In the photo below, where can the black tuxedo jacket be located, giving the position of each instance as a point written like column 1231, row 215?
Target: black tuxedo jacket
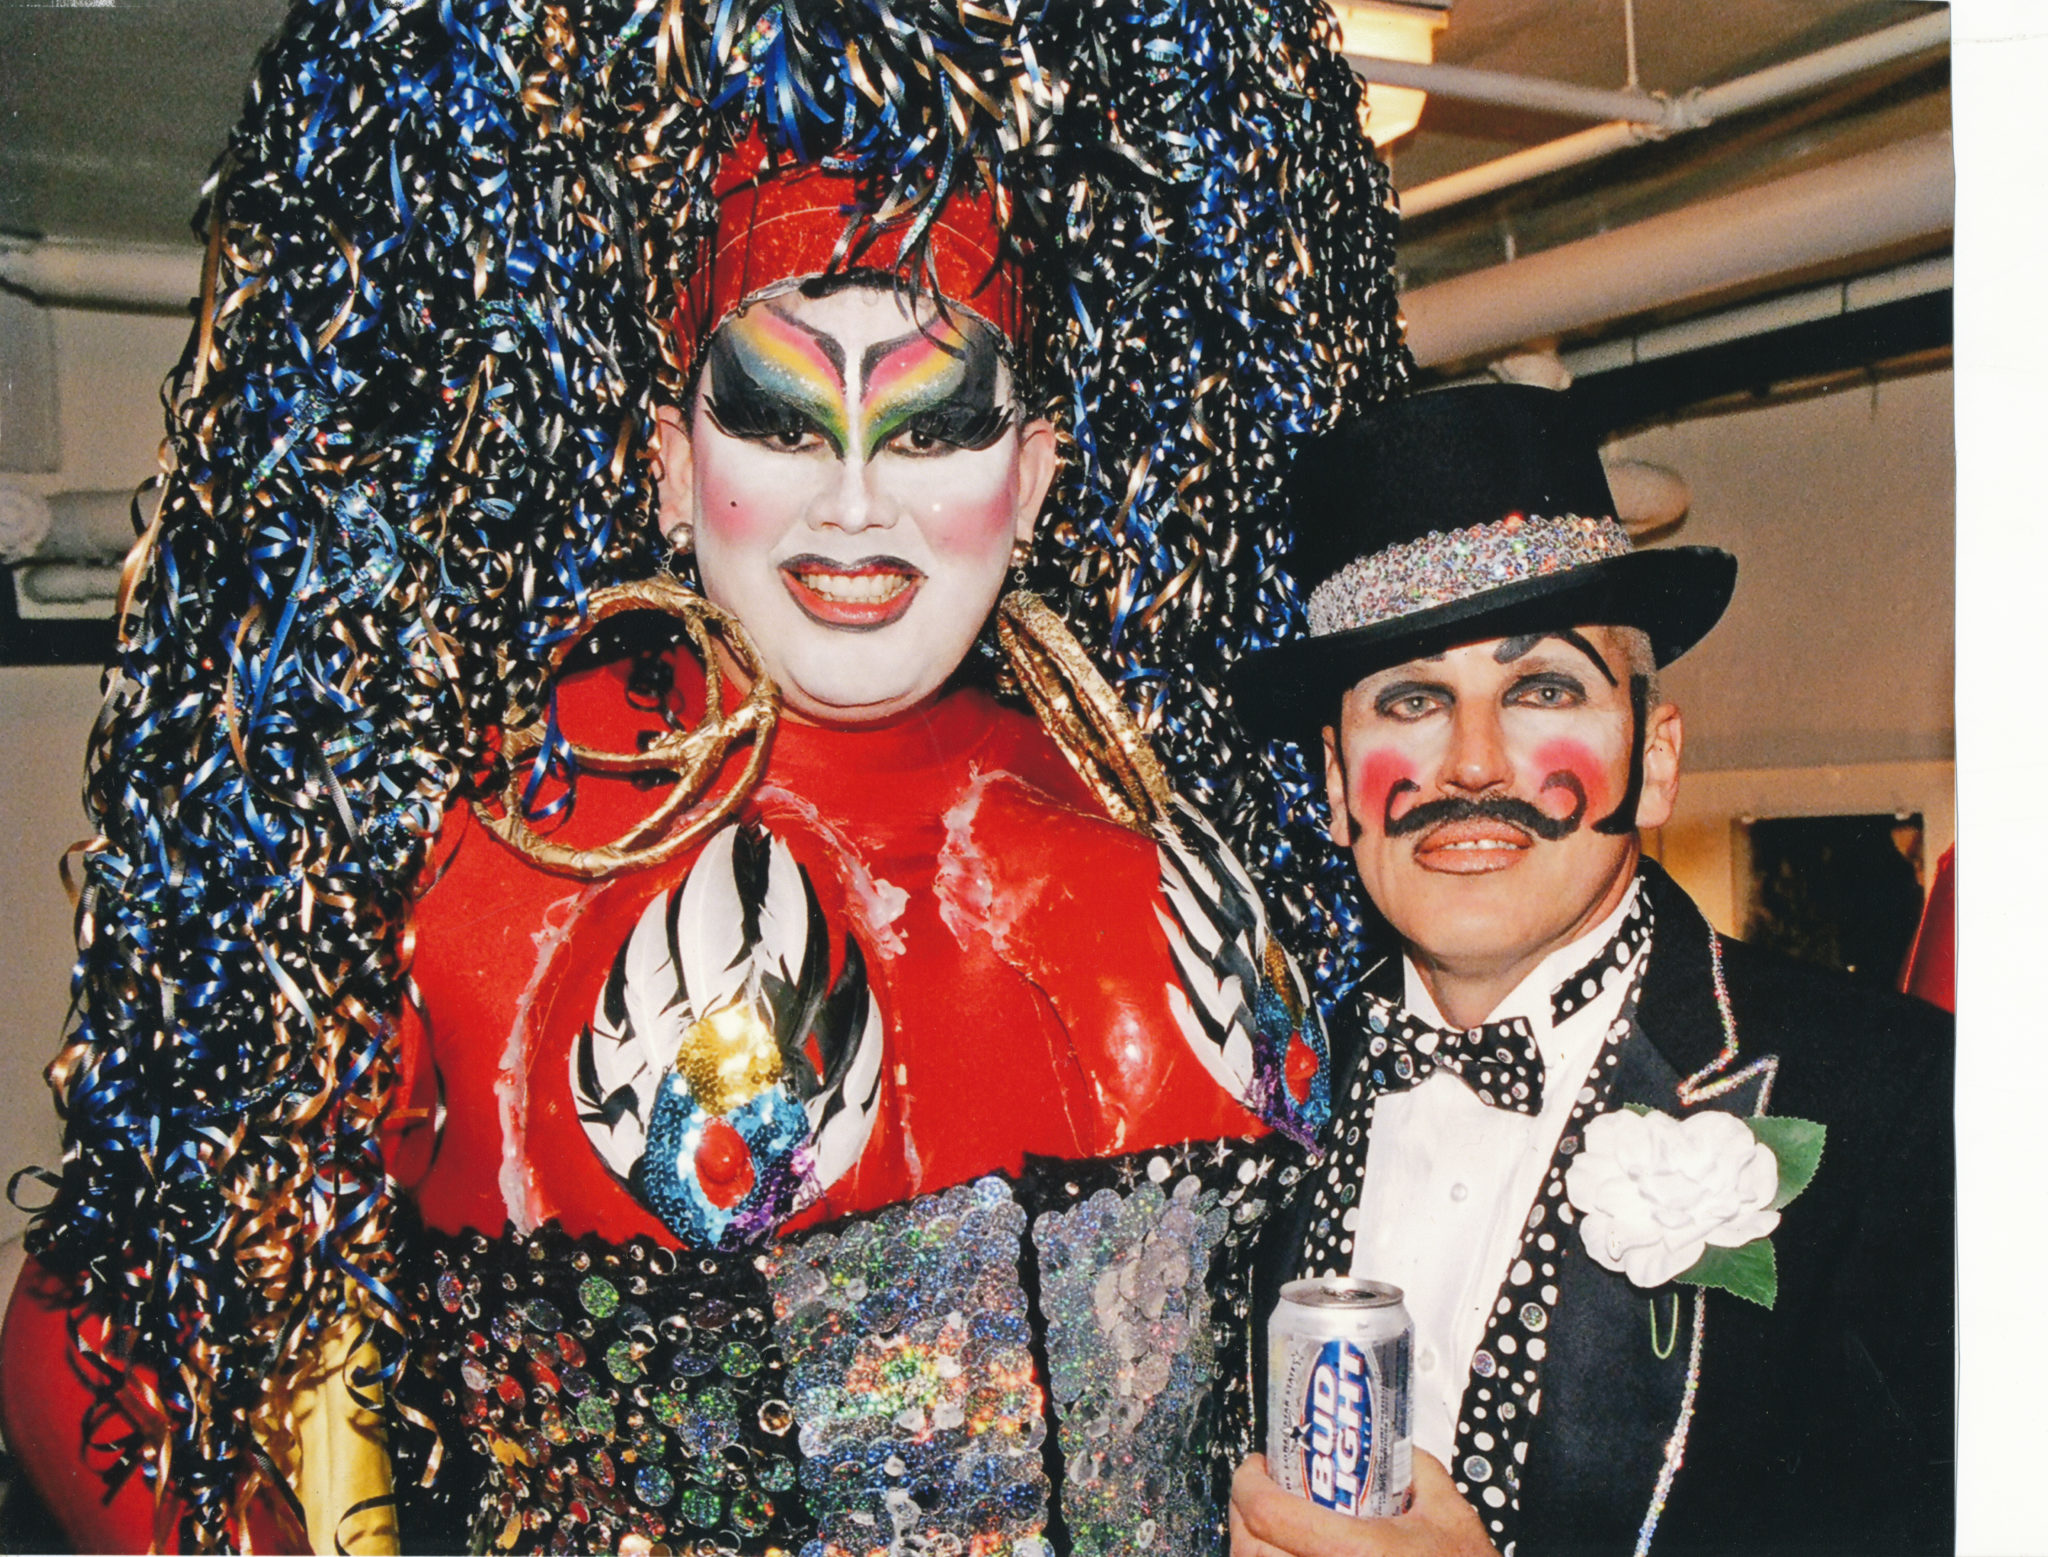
column 1825, row 1424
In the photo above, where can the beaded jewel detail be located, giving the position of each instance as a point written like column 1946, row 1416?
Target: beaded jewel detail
column 1445, row 566
column 593, row 1397
column 1059, row 1364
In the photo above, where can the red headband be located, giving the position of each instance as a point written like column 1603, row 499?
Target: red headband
column 786, row 223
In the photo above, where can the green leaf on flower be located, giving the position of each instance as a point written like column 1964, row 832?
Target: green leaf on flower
column 1639, row 1108
column 1749, row 1272
column 1796, row 1143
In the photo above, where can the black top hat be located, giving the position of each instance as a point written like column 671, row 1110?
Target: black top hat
column 1453, row 517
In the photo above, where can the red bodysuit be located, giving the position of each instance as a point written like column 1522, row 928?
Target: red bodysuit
column 1009, row 931
column 1012, row 945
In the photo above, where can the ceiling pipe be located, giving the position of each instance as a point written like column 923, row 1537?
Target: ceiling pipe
column 1523, row 167
column 1781, row 311
column 1692, row 110
column 1488, row 86
column 137, row 277
column 1834, row 213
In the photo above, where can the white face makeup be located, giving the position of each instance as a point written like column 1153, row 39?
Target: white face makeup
column 855, row 485
column 1485, row 795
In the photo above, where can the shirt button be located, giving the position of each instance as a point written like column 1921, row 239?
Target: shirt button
column 1427, row 1360
column 1459, row 1192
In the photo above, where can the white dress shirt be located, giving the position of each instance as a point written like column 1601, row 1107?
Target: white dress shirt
column 1449, row 1180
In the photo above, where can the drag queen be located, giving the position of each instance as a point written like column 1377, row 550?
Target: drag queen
column 639, row 987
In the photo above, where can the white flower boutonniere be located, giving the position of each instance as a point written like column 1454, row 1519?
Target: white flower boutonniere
column 1693, row 1200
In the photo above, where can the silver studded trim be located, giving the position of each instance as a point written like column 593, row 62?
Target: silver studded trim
column 1445, row 566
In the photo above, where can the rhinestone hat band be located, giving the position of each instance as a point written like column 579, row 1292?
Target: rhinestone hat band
column 1443, row 567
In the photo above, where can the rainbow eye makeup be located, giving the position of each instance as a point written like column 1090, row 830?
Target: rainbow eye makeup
column 771, row 379
column 936, row 390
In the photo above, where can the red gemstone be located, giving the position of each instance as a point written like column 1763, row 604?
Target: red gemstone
column 1302, row 1066
column 725, row 1168
column 542, row 1374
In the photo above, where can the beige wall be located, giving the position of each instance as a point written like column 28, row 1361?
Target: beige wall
column 1828, row 688
column 45, row 714
column 1839, row 646
column 109, row 368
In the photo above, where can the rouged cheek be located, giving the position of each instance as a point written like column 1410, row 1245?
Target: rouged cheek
column 964, row 504
column 1386, row 786
column 1594, row 773
column 747, row 497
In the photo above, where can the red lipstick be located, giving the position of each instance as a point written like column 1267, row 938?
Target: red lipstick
column 857, row 596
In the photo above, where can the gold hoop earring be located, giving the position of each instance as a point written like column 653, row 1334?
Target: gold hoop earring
column 1082, row 713
column 695, row 756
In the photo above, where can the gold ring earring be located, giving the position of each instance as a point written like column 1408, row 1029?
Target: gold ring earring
column 693, row 759
column 1081, row 711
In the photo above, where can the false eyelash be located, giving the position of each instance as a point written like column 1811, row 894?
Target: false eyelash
column 962, row 426
column 758, row 419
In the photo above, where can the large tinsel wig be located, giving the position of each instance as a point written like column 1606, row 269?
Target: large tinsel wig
column 412, row 433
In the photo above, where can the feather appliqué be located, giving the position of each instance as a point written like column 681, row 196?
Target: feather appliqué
column 725, row 1077
column 1241, row 1004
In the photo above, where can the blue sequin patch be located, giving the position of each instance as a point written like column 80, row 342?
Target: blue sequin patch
column 1132, row 1352
column 907, row 1343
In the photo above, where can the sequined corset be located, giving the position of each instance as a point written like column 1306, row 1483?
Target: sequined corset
column 1055, row 1364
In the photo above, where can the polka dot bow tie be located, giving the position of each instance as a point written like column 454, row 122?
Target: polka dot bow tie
column 1497, row 1060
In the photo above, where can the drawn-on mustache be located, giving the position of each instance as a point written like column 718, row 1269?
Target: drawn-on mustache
column 1493, row 808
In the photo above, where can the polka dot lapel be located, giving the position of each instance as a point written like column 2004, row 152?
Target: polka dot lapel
column 1503, row 1394
column 1609, row 963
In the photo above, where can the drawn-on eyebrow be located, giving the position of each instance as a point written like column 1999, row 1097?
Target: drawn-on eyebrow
column 1512, row 649
column 880, row 352
column 767, row 367
column 945, row 380
column 827, row 346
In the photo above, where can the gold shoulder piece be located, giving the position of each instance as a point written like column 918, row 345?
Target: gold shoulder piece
column 695, row 756
column 1082, row 713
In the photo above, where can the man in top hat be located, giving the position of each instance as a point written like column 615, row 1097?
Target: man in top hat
column 1545, row 1125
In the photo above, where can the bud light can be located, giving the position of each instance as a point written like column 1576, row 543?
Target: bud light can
column 1337, row 1394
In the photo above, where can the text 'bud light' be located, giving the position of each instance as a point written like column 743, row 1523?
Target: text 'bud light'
column 1337, row 1395
column 1337, row 1456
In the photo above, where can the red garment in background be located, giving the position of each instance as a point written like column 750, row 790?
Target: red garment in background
column 1931, row 964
